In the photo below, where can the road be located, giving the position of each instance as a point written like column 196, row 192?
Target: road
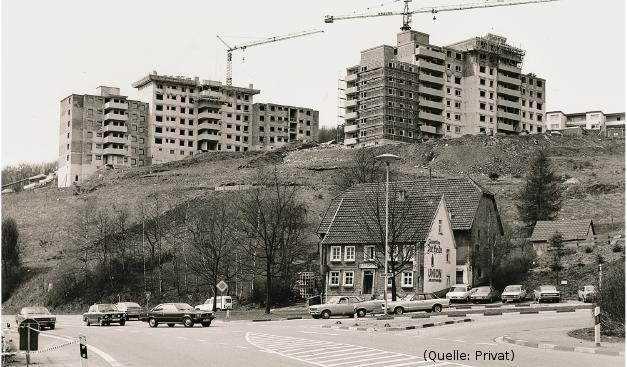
column 305, row 343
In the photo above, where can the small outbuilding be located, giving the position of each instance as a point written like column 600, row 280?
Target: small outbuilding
column 574, row 233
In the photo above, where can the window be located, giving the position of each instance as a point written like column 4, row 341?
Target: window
column 448, row 256
column 349, row 253
column 458, row 80
column 334, row 279
column 336, row 253
column 408, row 279
column 348, row 278
column 440, row 226
column 368, row 253
column 482, row 81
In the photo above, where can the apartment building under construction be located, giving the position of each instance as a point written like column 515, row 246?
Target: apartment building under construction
column 416, row 90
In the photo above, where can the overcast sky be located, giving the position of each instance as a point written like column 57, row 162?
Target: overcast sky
column 51, row 49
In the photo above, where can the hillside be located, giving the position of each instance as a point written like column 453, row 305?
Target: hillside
column 595, row 169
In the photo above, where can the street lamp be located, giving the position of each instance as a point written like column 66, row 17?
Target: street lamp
column 387, row 158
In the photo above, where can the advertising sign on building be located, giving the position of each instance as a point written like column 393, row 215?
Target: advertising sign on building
column 433, row 251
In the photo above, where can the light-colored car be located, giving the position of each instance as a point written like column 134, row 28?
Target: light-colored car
column 484, row 294
column 418, row 302
column 39, row 314
column 546, row 293
column 587, row 293
column 343, row 306
column 222, row 303
column 514, row 293
column 460, row 293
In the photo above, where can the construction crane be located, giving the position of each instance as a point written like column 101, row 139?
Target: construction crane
column 406, row 13
column 230, row 49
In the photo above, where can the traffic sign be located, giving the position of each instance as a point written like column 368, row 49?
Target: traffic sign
column 222, row 286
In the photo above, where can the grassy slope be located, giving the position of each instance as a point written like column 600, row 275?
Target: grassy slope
column 44, row 216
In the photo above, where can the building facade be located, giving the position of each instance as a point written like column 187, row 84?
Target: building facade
column 417, row 90
column 275, row 125
column 105, row 130
column 609, row 124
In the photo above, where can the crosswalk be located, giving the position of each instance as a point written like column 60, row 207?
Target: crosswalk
column 331, row 354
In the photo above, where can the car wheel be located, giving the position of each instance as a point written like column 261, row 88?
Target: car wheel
column 87, row 322
column 504, row 301
column 101, row 322
column 170, row 324
column 52, row 327
column 361, row 313
column 205, row 324
column 399, row 310
column 122, row 322
column 153, row 322
column 187, row 322
column 437, row 308
column 326, row 314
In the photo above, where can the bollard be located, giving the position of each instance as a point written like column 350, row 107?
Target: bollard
column 355, row 315
column 83, row 350
column 228, row 314
column 597, row 326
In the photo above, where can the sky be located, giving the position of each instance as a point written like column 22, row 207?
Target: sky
column 51, row 49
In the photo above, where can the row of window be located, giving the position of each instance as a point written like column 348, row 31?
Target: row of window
column 348, row 279
column 281, row 108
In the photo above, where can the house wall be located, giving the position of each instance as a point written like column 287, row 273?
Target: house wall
column 438, row 270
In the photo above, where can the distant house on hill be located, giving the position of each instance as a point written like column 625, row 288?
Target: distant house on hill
column 574, row 233
column 472, row 210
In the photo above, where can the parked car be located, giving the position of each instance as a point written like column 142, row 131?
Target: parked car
column 177, row 313
column 484, row 294
column 39, row 314
column 132, row 309
column 104, row 314
column 222, row 303
column 343, row 306
column 514, row 293
column 587, row 293
column 418, row 302
column 460, row 293
column 546, row 293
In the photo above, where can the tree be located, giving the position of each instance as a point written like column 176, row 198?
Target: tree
column 494, row 249
column 364, row 168
column 541, row 196
column 211, row 229
column 10, row 256
column 556, row 246
column 272, row 221
column 327, row 134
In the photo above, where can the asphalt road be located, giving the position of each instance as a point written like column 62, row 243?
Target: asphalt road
column 305, row 343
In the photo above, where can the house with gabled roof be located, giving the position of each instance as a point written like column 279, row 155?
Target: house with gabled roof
column 473, row 214
column 574, row 233
column 352, row 246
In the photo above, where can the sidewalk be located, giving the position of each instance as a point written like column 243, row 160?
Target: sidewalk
column 558, row 339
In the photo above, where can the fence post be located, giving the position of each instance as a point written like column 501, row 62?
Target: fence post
column 28, row 346
column 597, row 326
column 83, row 350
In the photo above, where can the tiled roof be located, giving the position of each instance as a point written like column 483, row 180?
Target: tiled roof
column 360, row 218
column 570, row 229
column 462, row 197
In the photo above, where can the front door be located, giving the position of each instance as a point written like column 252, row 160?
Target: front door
column 367, row 282
column 459, row 276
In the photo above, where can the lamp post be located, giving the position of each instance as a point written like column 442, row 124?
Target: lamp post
column 387, row 158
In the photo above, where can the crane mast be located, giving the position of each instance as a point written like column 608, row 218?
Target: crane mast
column 406, row 13
column 230, row 49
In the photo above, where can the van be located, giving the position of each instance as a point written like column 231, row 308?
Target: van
column 222, row 303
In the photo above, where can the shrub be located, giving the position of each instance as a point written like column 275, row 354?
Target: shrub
column 617, row 248
column 493, row 176
column 588, row 250
column 612, row 299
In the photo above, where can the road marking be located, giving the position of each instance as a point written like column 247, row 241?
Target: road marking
column 241, row 347
column 486, row 343
column 316, row 332
column 335, row 354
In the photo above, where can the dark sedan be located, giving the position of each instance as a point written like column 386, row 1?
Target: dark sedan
column 104, row 314
column 39, row 314
column 132, row 309
column 177, row 313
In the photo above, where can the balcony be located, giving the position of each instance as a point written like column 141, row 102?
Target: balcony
column 115, row 151
column 350, row 128
column 508, row 80
column 508, row 115
column 209, row 116
column 424, row 64
column 115, row 117
column 431, row 91
column 113, row 139
column 428, row 129
column 116, row 105
column 509, row 68
column 351, row 77
column 505, row 127
column 423, row 115
column 208, row 136
column 351, row 141
column 115, row 128
column 508, row 91
column 351, row 90
column 351, row 102
column 431, row 79
column 430, row 103
column 350, row 115
column 508, row 103
column 430, row 53
column 208, row 125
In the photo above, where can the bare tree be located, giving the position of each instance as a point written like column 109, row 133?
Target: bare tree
column 494, row 249
column 364, row 168
column 272, row 221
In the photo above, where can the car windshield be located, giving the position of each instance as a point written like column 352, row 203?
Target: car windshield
column 483, row 290
column 107, row 308
column 183, row 306
column 458, row 289
column 589, row 288
column 130, row 304
column 547, row 288
column 35, row 311
column 512, row 288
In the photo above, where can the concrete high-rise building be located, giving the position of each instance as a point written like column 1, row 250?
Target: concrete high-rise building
column 100, row 131
column 417, row 90
column 275, row 125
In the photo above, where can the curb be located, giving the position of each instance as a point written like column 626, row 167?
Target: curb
column 531, row 344
column 495, row 311
column 399, row 328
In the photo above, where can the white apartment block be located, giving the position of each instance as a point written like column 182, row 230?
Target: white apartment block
column 610, row 124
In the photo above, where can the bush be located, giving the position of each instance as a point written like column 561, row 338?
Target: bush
column 617, row 248
column 612, row 299
column 588, row 250
column 493, row 176
column 514, row 270
column 281, row 295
